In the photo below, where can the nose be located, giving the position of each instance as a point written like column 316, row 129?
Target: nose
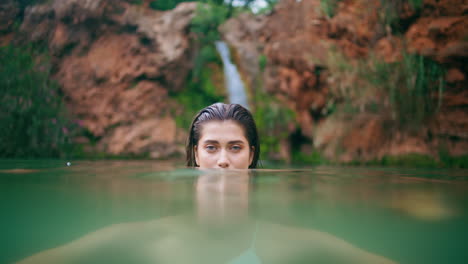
column 223, row 161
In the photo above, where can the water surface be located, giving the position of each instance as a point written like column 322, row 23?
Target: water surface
column 159, row 212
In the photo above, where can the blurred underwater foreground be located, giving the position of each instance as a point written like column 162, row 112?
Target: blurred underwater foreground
column 160, row 212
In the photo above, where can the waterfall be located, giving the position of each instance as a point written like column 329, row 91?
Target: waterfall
column 233, row 82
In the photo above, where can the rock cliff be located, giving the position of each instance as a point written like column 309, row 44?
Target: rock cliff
column 298, row 38
column 116, row 63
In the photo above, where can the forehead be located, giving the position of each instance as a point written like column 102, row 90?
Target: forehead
column 221, row 131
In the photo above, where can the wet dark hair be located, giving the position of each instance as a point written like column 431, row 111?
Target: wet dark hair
column 222, row 112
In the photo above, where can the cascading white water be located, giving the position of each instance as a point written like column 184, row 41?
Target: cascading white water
column 234, row 85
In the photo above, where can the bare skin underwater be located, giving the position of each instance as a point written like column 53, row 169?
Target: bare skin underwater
column 219, row 230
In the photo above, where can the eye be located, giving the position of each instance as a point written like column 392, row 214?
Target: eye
column 210, row 148
column 236, row 148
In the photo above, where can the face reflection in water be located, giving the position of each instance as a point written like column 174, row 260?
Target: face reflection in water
column 223, row 145
column 223, row 197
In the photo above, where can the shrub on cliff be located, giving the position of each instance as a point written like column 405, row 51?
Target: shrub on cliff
column 273, row 120
column 164, row 5
column 329, row 7
column 394, row 14
column 409, row 90
column 202, row 88
column 414, row 86
column 32, row 115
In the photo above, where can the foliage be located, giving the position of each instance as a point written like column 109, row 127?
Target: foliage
column 449, row 161
column 411, row 85
column 391, row 11
column 272, row 119
column 24, row 3
column 207, row 19
column 410, row 89
column 262, row 62
column 204, row 26
column 409, row 160
column 33, row 121
column 270, row 116
column 201, row 89
column 416, row 160
column 329, row 7
column 136, row 2
column 199, row 93
column 316, row 158
column 164, row 5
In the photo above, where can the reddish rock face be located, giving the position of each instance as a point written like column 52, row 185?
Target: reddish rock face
column 364, row 139
column 116, row 64
column 297, row 38
column 441, row 38
column 440, row 33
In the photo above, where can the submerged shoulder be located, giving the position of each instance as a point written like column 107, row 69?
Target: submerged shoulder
column 278, row 243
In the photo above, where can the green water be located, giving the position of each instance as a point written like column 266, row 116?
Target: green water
column 158, row 212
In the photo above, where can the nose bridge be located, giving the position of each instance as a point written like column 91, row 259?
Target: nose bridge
column 223, row 159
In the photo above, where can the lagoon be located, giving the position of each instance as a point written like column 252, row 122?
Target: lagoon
column 161, row 212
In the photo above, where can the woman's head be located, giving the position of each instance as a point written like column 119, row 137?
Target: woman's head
column 223, row 136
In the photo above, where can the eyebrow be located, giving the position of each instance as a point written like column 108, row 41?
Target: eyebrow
column 209, row 141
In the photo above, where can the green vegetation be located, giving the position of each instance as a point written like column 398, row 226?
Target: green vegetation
column 410, row 90
column 21, row 5
column 202, row 89
column 164, row 5
column 33, row 121
column 272, row 119
column 329, row 7
column 407, row 93
column 136, row 2
column 244, row 5
column 205, row 27
column 316, row 158
column 414, row 87
column 206, row 22
column 409, row 160
column 416, row 160
column 416, row 4
column 262, row 62
column 449, row 161
column 391, row 11
column 199, row 93
column 24, row 3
